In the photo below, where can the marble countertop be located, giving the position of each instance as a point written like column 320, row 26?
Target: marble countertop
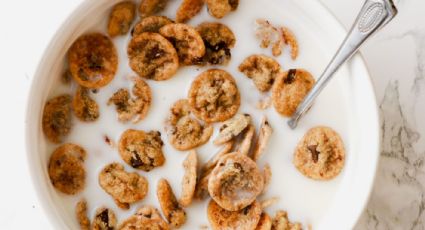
column 395, row 57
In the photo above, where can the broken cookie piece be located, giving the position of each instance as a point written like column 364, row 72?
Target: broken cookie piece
column 85, row 108
column 121, row 17
column 190, row 165
column 263, row 71
column 175, row 214
column 232, row 128
column 56, row 121
column 188, row 9
column 104, row 219
column 220, row 8
column 141, row 150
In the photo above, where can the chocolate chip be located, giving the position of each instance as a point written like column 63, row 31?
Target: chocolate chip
column 291, row 76
column 314, row 153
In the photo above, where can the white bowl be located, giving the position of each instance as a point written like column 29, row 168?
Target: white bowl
column 362, row 135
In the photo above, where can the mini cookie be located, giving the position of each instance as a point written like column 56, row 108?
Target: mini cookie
column 141, row 150
column 151, row 24
column 57, row 118
column 262, row 70
column 190, row 165
column 81, row 213
column 281, row 221
column 85, row 108
column 290, row 89
column 175, row 215
column 235, row 182
column 214, row 96
column 290, row 40
column 220, row 8
column 263, row 139
column 186, row 40
column 246, row 218
column 129, row 108
column 265, row 222
column 188, row 9
column 123, row 186
column 66, row 168
column 232, row 128
column 320, row 154
column 93, row 60
column 151, row 7
column 152, row 56
column 244, row 146
column 218, row 40
column 104, row 219
column 121, row 17
column 186, row 132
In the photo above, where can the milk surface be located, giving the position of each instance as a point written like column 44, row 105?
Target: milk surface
column 305, row 200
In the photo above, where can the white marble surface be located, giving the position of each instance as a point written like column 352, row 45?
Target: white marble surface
column 396, row 59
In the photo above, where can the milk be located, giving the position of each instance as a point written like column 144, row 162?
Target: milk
column 305, row 200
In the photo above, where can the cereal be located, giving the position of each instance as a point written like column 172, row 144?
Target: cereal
column 123, row 186
column 185, row 131
column 263, row 139
column 263, row 70
column 281, row 221
column 187, row 41
column 265, row 222
column 289, row 90
column 151, row 24
column 246, row 218
column 188, row 9
column 320, row 154
column 152, row 56
column 235, row 182
column 190, row 166
column 267, row 176
column 132, row 108
column 57, row 118
column 290, row 40
column 93, row 60
column 81, row 213
column 141, row 150
column 104, row 219
column 151, row 7
column 175, row 215
column 121, row 17
column 220, row 8
column 232, row 128
column 244, row 145
column 214, row 96
column 218, row 40
column 85, row 108
column 66, row 168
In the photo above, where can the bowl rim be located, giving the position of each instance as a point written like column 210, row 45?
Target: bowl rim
column 30, row 141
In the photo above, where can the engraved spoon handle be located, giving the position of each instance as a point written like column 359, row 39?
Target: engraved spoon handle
column 372, row 17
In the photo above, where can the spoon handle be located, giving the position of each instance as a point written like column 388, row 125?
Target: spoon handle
column 373, row 16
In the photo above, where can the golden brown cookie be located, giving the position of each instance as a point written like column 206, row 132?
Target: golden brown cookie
column 171, row 208
column 218, row 40
column 263, row 139
column 66, row 168
column 93, row 60
column 265, row 222
column 214, row 96
column 85, row 108
column 235, row 182
column 132, row 108
column 289, row 90
column 232, row 128
column 188, row 9
column 151, row 24
column 220, row 8
column 320, row 154
column 185, row 131
column 57, row 118
column 141, row 150
column 121, row 17
column 190, row 165
column 104, row 219
column 246, row 218
column 281, row 221
column 152, row 56
column 263, row 71
column 123, row 186
column 81, row 213
column 151, row 7
column 187, row 41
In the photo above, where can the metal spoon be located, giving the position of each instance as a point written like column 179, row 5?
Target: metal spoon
column 374, row 15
